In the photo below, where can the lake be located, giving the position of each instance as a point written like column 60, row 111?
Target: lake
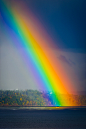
column 61, row 118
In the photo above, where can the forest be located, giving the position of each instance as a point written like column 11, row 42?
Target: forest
column 36, row 98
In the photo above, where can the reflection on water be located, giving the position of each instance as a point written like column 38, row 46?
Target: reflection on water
column 46, row 108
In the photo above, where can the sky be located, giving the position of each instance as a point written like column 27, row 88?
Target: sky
column 65, row 23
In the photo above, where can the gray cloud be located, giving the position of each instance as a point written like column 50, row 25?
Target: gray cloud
column 65, row 60
column 72, row 63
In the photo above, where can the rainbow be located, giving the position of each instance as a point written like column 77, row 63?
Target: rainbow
column 27, row 32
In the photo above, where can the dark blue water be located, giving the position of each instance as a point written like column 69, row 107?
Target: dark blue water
column 55, row 119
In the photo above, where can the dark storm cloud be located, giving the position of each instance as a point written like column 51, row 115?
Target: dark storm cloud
column 64, row 20
column 65, row 60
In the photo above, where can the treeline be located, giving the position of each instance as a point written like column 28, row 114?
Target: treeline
column 36, row 98
column 23, row 98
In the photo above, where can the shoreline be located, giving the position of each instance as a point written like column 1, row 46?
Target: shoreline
column 43, row 108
